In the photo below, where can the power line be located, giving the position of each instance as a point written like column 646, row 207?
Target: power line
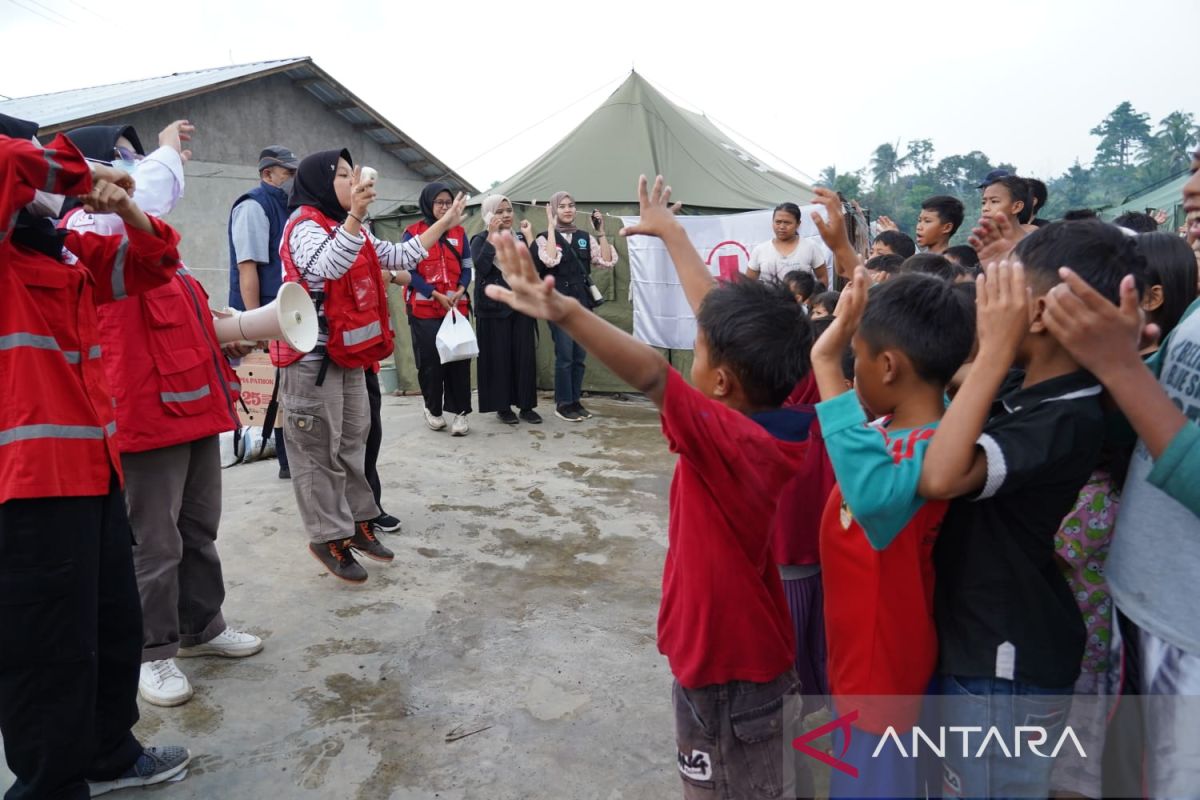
column 85, row 8
column 55, row 11
column 40, row 14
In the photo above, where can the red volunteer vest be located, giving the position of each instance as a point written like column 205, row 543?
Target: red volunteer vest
column 354, row 306
column 170, row 381
column 442, row 268
column 57, row 431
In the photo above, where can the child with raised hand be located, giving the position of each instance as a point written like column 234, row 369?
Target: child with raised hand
column 1013, row 453
column 723, row 623
column 877, row 532
column 1155, row 557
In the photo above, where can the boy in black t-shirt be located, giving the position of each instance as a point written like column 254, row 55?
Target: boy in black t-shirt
column 1016, row 452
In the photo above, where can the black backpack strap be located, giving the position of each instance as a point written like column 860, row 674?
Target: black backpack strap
column 268, row 426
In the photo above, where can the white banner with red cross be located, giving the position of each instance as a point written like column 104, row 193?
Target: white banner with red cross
column 661, row 315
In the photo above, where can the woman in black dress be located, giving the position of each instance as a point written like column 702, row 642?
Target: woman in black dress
column 507, row 339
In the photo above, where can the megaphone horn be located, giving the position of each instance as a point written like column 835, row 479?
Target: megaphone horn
column 290, row 317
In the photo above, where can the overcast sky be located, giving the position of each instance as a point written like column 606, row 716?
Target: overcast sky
column 802, row 84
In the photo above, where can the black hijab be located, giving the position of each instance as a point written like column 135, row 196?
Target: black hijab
column 314, row 183
column 36, row 233
column 428, row 195
column 99, row 142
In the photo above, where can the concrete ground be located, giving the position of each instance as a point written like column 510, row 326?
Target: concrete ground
column 519, row 614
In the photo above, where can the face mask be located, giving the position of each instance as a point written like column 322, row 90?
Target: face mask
column 46, row 205
column 287, row 185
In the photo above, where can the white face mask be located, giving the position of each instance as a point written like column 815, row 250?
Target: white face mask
column 46, row 205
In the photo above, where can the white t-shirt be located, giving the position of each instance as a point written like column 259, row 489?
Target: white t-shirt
column 773, row 265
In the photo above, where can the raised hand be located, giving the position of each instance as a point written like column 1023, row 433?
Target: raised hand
column 994, row 238
column 1002, row 311
column 106, row 198
column 833, row 229
column 528, row 293
column 886, row 224
column 655, row 209
column 493, row 225
column 527, row 230
column 175, row 134
column 457, row 211
column 1096, row 333
column 827, row 351
column 362, row 194
column 103, row 172
column 597, row 221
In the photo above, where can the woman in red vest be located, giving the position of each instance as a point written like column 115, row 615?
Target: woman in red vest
column 328, row 249
column 439, row 284
column 174, row 393
column 70, row 617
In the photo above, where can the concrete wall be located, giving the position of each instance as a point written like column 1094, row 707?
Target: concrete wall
column 233, row 125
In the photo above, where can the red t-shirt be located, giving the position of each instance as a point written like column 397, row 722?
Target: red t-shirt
column 723, row 615
column 879, row 627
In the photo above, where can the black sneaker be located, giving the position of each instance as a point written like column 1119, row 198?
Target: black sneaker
column 581, row 411
column 365, row 542
column 567, row 413
column 336, row 557
column 385, row 523
column 507, row 416
column 154, row 765
column 531, row 416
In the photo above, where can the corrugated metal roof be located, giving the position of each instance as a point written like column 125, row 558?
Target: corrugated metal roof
column 76, row 107
column 51, row 110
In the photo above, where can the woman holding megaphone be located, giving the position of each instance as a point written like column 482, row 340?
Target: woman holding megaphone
column 328, row 249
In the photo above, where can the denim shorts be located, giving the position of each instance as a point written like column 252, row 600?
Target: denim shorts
column 730, row 740
column 987, row 703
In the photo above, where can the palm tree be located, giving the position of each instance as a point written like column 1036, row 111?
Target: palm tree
column 1176, row 136
column 828, row 177
column 885, row 164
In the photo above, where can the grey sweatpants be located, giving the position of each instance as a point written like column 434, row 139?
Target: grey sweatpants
column 326, row 428
column 174, row 499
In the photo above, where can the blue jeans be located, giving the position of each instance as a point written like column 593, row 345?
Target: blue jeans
column 568, row 367
column 988, row 703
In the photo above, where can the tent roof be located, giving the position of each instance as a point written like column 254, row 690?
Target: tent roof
column 1165, row 195
column 637, row 130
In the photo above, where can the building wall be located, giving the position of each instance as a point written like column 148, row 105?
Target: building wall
column 233, row 125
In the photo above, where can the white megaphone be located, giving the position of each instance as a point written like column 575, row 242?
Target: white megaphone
column 291, row 316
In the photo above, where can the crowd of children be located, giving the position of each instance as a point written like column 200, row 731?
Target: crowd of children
column 839, row 526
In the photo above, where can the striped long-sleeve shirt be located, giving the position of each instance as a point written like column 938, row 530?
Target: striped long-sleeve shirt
column 320, row 257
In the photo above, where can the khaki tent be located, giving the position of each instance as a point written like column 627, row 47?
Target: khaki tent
column 636, row 131
column 1166, row 195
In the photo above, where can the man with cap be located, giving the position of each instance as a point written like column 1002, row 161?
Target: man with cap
column 255, row 226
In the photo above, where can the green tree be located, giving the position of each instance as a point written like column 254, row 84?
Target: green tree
column 919, row 155
column 1124, row 134
column 1171, row 148
column 885, row 165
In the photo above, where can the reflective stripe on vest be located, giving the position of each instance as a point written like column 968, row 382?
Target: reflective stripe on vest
column 39, row 341
column 24, row 433
column 52, row 175
column 363, row 334
column 186, row 397
column 118, row 271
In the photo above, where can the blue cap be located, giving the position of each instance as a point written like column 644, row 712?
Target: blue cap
column 994, row 176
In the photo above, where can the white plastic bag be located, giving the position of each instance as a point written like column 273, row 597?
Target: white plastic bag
column 455, row 339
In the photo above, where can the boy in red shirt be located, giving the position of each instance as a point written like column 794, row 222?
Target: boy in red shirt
column 877, row 533
column 724, row 623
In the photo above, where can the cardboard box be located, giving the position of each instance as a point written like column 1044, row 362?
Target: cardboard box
column 256, row 373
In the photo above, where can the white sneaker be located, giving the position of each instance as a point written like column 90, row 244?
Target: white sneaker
column 227, row 644
column 162, row 684
column 459, row 427
column 435, row 422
